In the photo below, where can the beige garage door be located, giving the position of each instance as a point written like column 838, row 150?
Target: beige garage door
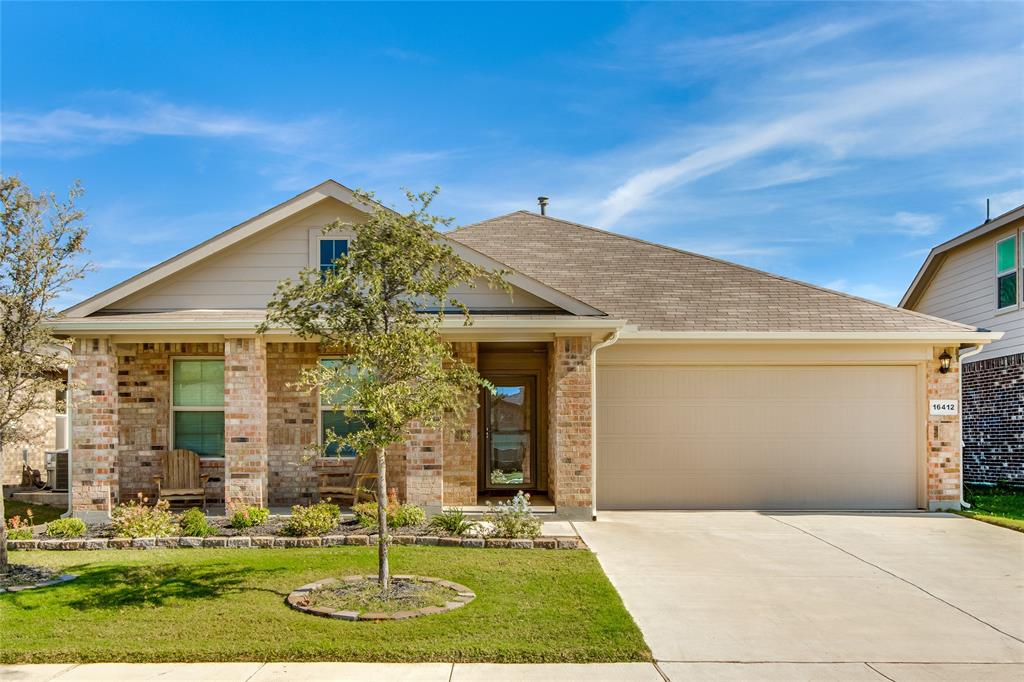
column 749, row 437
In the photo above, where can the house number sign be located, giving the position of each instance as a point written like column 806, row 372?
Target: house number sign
column 943, row 408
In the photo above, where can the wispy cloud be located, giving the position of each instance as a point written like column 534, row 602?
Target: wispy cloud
column 916, row 224
column 875, row 292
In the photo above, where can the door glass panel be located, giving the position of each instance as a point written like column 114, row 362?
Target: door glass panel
column 510, row 439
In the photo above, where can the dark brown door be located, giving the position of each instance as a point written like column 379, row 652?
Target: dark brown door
column 509, row 459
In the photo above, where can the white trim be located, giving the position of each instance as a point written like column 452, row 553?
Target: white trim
column 632, row 334
column 185, row 408
column 1015, row 271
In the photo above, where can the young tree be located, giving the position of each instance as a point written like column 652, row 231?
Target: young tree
column 381, row 306
column 39, row 258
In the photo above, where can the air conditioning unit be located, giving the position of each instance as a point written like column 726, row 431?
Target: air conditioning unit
column 58, row 476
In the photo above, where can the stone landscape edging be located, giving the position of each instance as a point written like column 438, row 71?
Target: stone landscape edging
column 245, row 541
column 463, row 595
column 59, row 580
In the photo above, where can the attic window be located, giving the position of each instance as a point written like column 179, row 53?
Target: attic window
column 1006, row 273
column 330, row 251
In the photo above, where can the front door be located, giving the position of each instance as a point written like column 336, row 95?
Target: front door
column 510, row 434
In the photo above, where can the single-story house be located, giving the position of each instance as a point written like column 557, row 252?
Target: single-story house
column 977, row 278
column 629, row 375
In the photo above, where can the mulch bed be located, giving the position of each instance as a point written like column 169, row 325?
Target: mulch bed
column 19, row 577
column 357, row 597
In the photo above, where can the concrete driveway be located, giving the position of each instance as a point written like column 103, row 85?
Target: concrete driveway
column 750, row 595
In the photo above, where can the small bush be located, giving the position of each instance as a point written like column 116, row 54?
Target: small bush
column 453, row 522
column 194, row 524
column 19, row 528
column 136, row 519
column 399, row 515
column 316, row 519
column 66, row 528
column 513, row 519
column 246, row 516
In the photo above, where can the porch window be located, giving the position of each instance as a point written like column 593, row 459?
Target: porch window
column 1006, row 273
column 197, row 406
column 330, row 251
column 333, row 417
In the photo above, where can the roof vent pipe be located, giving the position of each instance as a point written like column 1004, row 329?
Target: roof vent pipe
column 543, row 201
column 988, row 210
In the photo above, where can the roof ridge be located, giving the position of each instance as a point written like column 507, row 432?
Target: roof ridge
column 488, row 220
column 712, row 259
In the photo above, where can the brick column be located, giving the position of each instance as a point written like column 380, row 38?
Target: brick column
column 460, row 444
column 245, row 421
column 424, row 471
column 569, row 426
column 944, row 457
column 94, row 405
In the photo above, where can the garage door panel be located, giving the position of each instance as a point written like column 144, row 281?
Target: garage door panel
column 757, row 437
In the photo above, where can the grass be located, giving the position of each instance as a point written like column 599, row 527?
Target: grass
column 1000, row 505
column 228, row 605
column 41, row 513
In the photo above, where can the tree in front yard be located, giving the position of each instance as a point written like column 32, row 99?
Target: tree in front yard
column 40, row 251
column 381, row 306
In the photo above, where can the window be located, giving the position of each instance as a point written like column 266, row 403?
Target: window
column 1006, row 272
column 334, row 418
column 197, row 406
column 331, row 250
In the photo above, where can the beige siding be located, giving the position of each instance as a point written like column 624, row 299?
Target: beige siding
column 964, row 290
column 246, row 275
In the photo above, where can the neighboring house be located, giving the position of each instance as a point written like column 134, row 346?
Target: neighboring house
column 977, row 279
column 629, row 375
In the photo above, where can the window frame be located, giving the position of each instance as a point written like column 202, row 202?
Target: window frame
column 1015, row 271
column 321, row 408
column 189, row 408
column 316, row 235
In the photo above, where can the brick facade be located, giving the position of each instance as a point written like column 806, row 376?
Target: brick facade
column 245, row 421
column 570, row 417
column 943, row 439
column 993, row 395
column 94, row 427
column 460, row 445
column 42, row 424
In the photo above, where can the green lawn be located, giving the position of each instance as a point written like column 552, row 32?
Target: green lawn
column 41, row 513
column 1000, row 505
column 228, row 605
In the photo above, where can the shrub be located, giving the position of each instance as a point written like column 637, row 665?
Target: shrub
column 453, row 522
column 399, row 515
column 316, row 519
column 19, row 528
column 136, row 519
column 246, row 516
column 513, row 519
column 194, row 524
column 66, row 528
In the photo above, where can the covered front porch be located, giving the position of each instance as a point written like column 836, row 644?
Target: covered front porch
column 233, row 400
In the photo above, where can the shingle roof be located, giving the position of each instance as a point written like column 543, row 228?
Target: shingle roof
column 659, row 288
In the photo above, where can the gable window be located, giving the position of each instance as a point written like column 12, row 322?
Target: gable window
column 197, row 406
column 330, row 251
column 1006, row 273
column 333, row 417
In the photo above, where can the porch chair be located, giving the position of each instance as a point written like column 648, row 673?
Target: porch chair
column 181, row 480
column 358, row 482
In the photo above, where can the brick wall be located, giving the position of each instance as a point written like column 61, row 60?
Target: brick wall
column 245, row 421
column 460, row 445
column 569, row 428
column 94, row 427
column 993, row 394
column 42, row 424
column 943, row 439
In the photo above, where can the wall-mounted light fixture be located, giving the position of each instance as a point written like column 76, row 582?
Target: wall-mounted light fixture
column 944, row 361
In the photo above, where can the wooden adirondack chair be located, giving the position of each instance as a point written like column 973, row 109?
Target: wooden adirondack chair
column 181, row 480
column 358, row 483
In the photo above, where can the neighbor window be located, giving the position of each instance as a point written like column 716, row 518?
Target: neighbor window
column 333, row 417
column 1006, row 272
column 330, row 251
column 197, row 406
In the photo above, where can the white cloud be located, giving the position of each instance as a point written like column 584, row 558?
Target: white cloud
column 869, row 290
column 916, row 224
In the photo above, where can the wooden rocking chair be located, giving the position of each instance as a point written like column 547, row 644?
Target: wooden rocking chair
column 358, row 483
column 181, row 480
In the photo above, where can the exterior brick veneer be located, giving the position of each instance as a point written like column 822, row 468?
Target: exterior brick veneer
column 569, row 427
column 94, row 426
column 460, row 445
column 943, row 438
column 291, row 425
column 245, row 421
column 44, row 437
column 993, row 394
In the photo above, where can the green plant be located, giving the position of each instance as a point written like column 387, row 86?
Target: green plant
column 513, row 519
column 20, row 528
column 316, row 519
column 194, row 524
column 136, row 519
column 452, row 521
column 248, row 516
column 398, row 515
column 66, row 528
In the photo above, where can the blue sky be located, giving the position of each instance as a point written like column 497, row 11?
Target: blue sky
column 833, row 143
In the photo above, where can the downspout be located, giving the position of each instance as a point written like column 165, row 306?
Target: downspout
column 609, row 340
column 69, row 406
column 961, row 355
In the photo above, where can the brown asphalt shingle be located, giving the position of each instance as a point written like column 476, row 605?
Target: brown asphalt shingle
column 660, row 288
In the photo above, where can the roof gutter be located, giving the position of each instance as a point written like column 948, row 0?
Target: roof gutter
column 962, row 354
column 609, row 340
column 631, row 333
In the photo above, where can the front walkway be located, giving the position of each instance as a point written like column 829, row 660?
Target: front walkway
column 869, row 592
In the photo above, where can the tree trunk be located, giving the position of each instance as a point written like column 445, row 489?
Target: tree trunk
column 3, row 522
column 383, row 570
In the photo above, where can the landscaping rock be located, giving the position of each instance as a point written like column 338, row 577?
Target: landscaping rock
column 95, row 543
column 403, row 539
column 333, row 540
column 520, row 543
column 190, row 542
column 427, row 540
column 215, row 542
column 307, row 542
column 240, row 541
column 167, row 542
column 358, row 540
column 119, row 543
column 286, row 542
column 545, row 543
column 449, row 542
column 23, row 544
column 49, row 544
column 568, row 543
column 497, row 542
column 473, row 542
